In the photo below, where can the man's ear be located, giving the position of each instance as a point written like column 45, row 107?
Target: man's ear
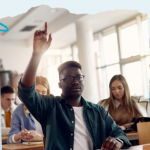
column 59, row 84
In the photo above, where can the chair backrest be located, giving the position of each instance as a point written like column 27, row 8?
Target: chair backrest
column 143, row 129
column 43, row 143
column 146, row 147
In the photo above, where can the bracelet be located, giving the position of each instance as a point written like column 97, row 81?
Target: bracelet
column 119, row 140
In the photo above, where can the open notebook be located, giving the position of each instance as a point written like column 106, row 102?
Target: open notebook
column 36, row 138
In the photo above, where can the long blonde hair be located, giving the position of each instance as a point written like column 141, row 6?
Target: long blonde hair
column 39, row 81
column 129, row 103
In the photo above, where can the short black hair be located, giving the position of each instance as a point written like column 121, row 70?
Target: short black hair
column 7, row 89
column 68, row 64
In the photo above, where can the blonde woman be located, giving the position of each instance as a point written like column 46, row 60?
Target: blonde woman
column 22, row 117
column 123, row 108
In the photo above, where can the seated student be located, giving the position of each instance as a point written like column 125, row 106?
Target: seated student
column 123, row 108
column 22, row 117
column 7, row 108
column 69, row 122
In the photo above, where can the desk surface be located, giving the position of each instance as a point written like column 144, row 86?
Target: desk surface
column 132, row 134
column 20, row 147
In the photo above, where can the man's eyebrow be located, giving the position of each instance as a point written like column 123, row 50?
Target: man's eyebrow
column 10, row 99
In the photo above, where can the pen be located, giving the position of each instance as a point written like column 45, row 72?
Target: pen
column 24, row 130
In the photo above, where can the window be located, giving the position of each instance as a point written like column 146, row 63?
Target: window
column 133, row 74
column 124, row 50
column 110, row 48
column 130, row 42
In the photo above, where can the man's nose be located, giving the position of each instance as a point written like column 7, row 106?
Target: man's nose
column 75, row 81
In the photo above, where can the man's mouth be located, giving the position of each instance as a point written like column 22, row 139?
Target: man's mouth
column 76, row 89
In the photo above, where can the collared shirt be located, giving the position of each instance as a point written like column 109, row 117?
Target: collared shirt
column 58, row 120
column 117, row 103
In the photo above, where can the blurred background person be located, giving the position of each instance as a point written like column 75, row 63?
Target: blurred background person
column 7, row 108
column 22, row 117
column 123, row 108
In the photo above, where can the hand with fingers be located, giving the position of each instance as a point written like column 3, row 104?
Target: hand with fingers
column 40, row 42
column 111, row 143
column 26, row 135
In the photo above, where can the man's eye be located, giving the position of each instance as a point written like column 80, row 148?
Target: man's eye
column 68, row 79
column 79, row 78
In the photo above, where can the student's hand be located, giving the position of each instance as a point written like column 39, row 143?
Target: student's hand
column 111, row 143
column 26, row 135
column 40, row 43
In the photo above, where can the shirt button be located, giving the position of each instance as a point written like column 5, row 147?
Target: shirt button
column 71, row 109
column 72, row 121
column 71, row 134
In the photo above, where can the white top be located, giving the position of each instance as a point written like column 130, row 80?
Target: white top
column 82, row 139
column 37, row 126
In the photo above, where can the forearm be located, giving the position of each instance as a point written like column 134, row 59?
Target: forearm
column 29, row 75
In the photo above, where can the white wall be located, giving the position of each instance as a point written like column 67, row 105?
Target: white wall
column 15, row 55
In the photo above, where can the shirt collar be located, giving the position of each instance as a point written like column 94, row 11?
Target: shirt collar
column 84, row 103
column 117, row 103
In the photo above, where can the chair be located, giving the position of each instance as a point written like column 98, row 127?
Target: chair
column 43, row 143
column 146, row 147
column 143, row 129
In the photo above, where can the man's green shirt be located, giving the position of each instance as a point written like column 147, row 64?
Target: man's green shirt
column 57, row 119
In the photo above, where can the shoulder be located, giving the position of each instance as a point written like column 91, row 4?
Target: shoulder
column 95, row 107
column 19, row 109
column 102, row 102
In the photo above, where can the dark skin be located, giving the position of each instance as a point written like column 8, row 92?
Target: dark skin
column 71, row 92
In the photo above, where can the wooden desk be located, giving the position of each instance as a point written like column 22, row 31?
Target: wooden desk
column 21, row 147
column 133, row 135
column 4, row 139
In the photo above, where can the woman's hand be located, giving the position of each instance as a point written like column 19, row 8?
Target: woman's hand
column 27, row 135
column 40, row 43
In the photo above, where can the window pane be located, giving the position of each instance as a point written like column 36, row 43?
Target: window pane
column 97, row 51
column 145, row 36
column 105, row 75
column 129, row 42
column 110, row 49
column 133, row 75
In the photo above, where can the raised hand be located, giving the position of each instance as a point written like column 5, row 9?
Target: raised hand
column 40, row 42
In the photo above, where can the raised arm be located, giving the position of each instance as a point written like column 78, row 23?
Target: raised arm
column 40, row 46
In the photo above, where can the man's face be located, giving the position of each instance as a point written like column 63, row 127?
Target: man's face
column 7, row 100
column 71, row 90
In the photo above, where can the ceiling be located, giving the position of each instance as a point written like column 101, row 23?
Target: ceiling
column 61, row 23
